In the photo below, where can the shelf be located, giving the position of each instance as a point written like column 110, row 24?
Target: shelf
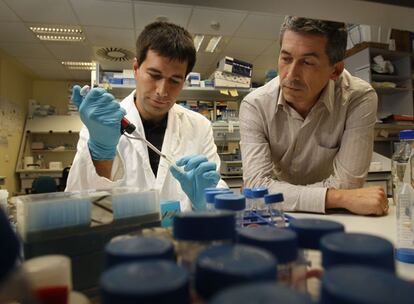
column 390, row 91
column 53, row 151
column 394, row 126
column 37, row 171
column 189, row 93
column 390, row 55
column 391, row 78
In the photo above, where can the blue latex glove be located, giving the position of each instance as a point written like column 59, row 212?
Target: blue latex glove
column 199, row 174
column 101, row 114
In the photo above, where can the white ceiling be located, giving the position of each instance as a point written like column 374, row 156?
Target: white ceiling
column 250, row 34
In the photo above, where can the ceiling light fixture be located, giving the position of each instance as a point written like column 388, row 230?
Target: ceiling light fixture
column 213, row 43
column 198, row 40
column 79, row 65
column 58, row 33
column 60, row 38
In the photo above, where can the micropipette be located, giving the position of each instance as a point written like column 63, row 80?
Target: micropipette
column 128, row 127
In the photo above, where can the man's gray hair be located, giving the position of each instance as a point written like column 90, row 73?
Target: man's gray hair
column 335, row 32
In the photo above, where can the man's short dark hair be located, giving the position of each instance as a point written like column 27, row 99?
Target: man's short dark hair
column 167, row 40
column 335, row 32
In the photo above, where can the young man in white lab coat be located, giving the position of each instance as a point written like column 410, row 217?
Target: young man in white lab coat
column 105, row 159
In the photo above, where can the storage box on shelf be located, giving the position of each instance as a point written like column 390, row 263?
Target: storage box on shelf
column 396, row 100
column 48, row 145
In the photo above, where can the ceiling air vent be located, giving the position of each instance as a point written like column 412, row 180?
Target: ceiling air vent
column 115, row 54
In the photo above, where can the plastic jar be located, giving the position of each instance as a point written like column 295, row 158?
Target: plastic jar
column 247, row 192
column 258, row 199
column 357, row 248
column 232, row 202
column 153, row 281
column 282, row 243
column 194, row 231
column 210, row 195
column 274, row 204
column 220, row 267
column 359, row 284
column 260, row 293
column 138, row 248
column 309, row 233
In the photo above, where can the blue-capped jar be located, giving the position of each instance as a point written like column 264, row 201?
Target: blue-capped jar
column 138, row 248
column 232, row 202
column 360, row 284
column 211, row 194
column 309, row 232
column 274, row 204
column 260, row 293
column 258, row 198
column 152, row 281
column 247, row 192
column 283, row 244
column 220, row 267
column 194, row 231
column 357, row 248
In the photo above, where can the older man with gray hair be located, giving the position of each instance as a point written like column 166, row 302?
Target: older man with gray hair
column 309, row 132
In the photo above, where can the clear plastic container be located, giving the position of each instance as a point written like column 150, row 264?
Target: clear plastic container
column 247, row 192
column 274, row 203
column 309, row 233
column 399, row 161
column 210, row 194
column 232, row 202
column 152, row 281
column 221, row 267
column 195, row 231
column 258, row 199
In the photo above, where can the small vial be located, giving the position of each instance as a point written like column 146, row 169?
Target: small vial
column 220, row 267
column 357, row 248
column 151, row 281
column 247, row 192
column 258, row 199
column 210, row 194
column 282, row 243
column 310, row 232
column 260, row 293
column 274, row 203
column 194, row 231
column 232, row 202
column 138, row 248
column 360, row 284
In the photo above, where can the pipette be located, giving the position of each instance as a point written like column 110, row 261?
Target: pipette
column 128, row 127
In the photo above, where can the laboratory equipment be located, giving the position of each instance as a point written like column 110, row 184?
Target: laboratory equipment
column 153, row 281
column 258, row 199
column 194, row 231
column 309, row 233
column 342, row 248
column 247, row 192
column 136, row 249
column 359, row 284
column 235, row 66
column 220, row 267
column 231, row 167
column 232, row 202
column 274, row 203
column 210, row 194
column 260, row 293
column 283, row 244
column 129, row 128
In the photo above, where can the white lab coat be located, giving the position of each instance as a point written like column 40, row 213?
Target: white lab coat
column 187, row 133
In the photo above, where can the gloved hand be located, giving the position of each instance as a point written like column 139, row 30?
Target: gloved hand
column 101, row 114
column 199, row 174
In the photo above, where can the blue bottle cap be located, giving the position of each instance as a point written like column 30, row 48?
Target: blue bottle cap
column 220, row 267
column 282, row 243
column 260, row 293
column 405, row 255
column 273, row 198
column 235, row 202
column 204, row 225
column 10, row 247
column 358, row 284
column 247, row 192
column 406, row 134
column 310, row 231
column 137, row 249
column 356, row 248
column 209, row 195
column 153, row 281
column 259, row 192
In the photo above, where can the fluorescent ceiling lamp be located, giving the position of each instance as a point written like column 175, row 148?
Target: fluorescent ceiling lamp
column 198, row 40
column 212, row 44
column 58, row 33
column 79, row 65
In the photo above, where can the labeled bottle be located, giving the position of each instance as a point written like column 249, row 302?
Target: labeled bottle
column 274, row 203
column 232, row 202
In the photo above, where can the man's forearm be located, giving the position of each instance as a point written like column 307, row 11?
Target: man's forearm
column 103, row 167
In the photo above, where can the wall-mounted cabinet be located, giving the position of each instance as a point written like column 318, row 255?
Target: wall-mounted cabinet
column 47, row 147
